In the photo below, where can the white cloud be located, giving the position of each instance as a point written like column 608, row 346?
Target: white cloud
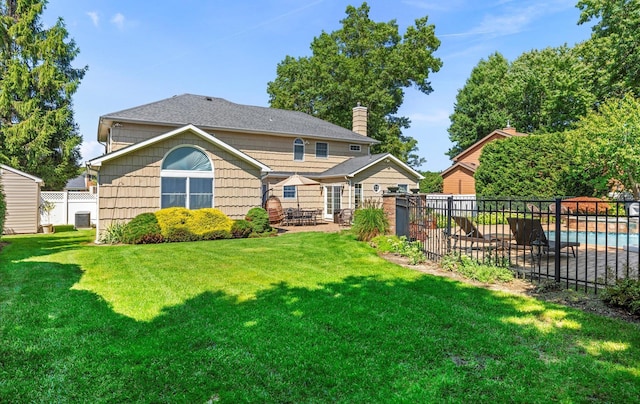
column 94, row 17
column 438, row 116
column 118, row 20
column 91, row 149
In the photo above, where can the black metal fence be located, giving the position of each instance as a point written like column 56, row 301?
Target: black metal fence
column 581, row 243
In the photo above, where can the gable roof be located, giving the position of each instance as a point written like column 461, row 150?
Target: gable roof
column 461, row 164
column 355, row 165
column 97, row 162
column 21, row 173
column 505, row 133
column 217, row 113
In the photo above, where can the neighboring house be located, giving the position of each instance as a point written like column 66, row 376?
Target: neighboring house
column 22, row 197
column 458, row 179
column 197, row 151
column 81, row 183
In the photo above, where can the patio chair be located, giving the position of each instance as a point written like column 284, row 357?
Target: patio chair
column 529, row 233
column 469, row 232
column 345, row 217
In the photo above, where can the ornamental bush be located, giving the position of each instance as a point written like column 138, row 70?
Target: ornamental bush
column 208, row 220
column 172, row 217
column 369, row 222
column 259, row 219
column 142, row 229
column 241, row 229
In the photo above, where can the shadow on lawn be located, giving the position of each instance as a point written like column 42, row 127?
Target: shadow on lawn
column 360, row 340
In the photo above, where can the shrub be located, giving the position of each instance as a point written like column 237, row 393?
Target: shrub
column 172, row 217
column 491, row 218
column 241, row 229
column 142, row 229
column 204, row 221
column 113, row 233
column 401, row 246
column 472, row 269
column 180, row 233
column 624, row 293
column 369, row 222
column 259, row 219
column 215, row 235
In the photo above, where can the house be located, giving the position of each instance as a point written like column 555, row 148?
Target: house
column 458, row 179
column 197, row 151
column 22, row 198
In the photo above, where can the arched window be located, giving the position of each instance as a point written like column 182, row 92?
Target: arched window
column 186, row 179
column 298, row 150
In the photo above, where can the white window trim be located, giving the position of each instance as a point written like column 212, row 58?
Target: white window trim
column 187, row 174
column 302, row 144
column 295, row 193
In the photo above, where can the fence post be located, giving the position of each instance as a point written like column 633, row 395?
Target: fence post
column 448, row 229
column 556, row 259
column 65, row 204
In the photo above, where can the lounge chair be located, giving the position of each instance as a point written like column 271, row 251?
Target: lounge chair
column 469, row 232
column 528, row 232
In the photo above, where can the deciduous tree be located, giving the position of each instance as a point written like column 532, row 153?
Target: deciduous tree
column 363, row 62
column 37, row 130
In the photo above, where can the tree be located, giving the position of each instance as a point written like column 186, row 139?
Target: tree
column 526, row 166
column 607, row 146
column 431, row 183
column 546, row 90
column 542, row 91
column 480, row 105
column 37, row 130
column 363, row 62
column 613, row 51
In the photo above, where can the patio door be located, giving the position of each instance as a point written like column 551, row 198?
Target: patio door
column 332, row 200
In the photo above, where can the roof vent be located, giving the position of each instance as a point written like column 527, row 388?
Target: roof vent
column 208, row 98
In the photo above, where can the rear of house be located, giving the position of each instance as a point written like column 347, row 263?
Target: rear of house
column 22, row 197
column 196, row 151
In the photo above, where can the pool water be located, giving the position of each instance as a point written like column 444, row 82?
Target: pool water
column 598, row 238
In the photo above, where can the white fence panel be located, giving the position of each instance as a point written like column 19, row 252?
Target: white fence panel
column 67, row 204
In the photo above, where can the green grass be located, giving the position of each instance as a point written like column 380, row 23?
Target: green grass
column 296, row 318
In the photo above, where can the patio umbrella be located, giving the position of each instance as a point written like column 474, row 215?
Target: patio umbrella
column 296, row 180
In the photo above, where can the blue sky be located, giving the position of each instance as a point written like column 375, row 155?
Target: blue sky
column 140, row 52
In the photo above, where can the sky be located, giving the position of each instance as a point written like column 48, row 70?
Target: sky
column 139, row 52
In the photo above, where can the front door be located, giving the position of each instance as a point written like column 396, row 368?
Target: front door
column 332, row 200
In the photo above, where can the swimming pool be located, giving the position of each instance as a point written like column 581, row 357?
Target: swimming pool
column 598, row 238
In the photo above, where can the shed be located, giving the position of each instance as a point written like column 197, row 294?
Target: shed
column 22, row 196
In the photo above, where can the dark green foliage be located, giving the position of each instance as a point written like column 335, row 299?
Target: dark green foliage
column 142, row 229
column 241, row 229
column 3, row 210
column 37, row 130
column 365, row 62
column 524, row 166
column 179, row 233
column 431, row 183
column 216, row 235
column 259, row 219
column 624, row 293
column 369, row 223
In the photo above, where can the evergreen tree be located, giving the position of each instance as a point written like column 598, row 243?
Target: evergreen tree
column 37, row 130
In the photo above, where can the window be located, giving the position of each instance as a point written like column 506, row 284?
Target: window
column 289, row 192
column 403, row 188
column 376, row 188
column 298, row 150
column 186, row 179
column 354, row 147
column 322, row 150
column 358, row 197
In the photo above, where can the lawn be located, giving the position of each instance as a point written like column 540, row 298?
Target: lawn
column 307, row 317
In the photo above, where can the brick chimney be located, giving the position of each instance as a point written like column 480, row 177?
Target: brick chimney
column 360, row 120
